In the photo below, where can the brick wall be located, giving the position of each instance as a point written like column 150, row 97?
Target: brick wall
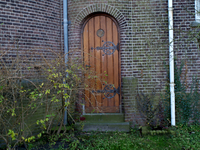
column 144, row 41
column 143, row 38
column 30, row 27
column 186, row 38
column 35, row 26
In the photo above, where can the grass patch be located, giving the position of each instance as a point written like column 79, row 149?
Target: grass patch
column 185, row 137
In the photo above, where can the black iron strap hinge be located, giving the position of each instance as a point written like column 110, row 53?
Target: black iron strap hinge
column 108, row 48
column 109, row 91
column 87, row 66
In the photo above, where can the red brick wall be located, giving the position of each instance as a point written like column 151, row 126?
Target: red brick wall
column 185, row 36
column 144, row 43
column 36, row 27
column 30, row 27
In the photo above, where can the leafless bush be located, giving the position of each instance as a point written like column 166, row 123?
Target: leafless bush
column 34, row 95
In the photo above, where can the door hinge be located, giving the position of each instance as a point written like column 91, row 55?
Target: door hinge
column 87, row 66
column 109, row 91
column 108, row 48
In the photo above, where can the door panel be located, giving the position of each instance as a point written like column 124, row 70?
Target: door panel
column 101, row 54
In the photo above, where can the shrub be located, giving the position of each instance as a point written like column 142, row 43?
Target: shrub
column 32, row 106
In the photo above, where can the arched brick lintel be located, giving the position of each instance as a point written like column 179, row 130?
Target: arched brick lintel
column 105, row 8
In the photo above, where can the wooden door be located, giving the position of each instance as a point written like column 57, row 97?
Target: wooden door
column 101, row 58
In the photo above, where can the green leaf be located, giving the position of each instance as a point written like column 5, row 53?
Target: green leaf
column 47, row 91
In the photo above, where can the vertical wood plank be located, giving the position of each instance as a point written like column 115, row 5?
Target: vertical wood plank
column 104, row 59
column 110, row 58
column 86, row 62
column 116, row 64
column 101, row 64
column 98, row 61
column 92, row 60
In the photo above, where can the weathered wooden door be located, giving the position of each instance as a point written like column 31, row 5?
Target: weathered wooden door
column 101, row 56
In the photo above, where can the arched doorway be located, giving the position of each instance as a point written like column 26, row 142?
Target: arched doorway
column 100, row 43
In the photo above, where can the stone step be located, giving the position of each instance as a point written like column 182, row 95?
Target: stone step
column 88, row 127
column 103, row 118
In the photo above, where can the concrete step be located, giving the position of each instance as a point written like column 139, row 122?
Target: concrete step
column 88, row 127
column 104, row 118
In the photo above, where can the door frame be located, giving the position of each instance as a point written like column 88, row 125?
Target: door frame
column 84, row 22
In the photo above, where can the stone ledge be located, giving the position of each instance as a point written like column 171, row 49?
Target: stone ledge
column 104, row 127
column 195, row 24
column 104, row 118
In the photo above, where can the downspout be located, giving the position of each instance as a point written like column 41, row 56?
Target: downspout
column 171, row 61
column 66, row 50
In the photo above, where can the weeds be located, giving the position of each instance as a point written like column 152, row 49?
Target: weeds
column 151, row 108
column 186, row 96
column 185, row 137
column 156, row 112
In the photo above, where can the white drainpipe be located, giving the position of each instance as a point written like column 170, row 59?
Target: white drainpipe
column 171, row 61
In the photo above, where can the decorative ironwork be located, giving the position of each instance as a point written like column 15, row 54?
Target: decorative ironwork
column 108, row 48
column 87, row 66
column 100, row 33
column 109, row 91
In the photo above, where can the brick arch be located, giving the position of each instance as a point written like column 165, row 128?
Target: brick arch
column 105, row 8
column 76, row 27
